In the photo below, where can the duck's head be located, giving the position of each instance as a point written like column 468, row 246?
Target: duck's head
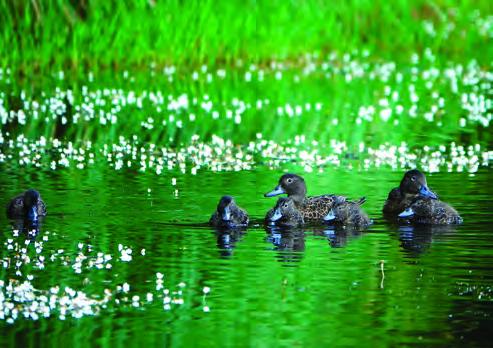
column 31, row 199
column 224, row 207
column 285, row 207
column 291, row 184
column 414, row 182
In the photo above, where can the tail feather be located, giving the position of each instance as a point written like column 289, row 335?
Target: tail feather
column 361, row 201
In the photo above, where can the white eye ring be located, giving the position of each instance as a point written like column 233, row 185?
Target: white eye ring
column 285, row 205
column 413, row 178
column 289, row 180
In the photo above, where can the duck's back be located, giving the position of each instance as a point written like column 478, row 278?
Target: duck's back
column 15, row 208
column 239, row 217
column 357, row 216
column 435, row 212
column 317, row 207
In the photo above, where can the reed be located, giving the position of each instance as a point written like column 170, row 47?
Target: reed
column 53, row 34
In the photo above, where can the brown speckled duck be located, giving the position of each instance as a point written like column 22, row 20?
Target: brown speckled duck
column 312, row 208
column 431, row 212
column 412, row 186
column 28, row 206
column 285, row 214
column 228, row 214
column 348, row 214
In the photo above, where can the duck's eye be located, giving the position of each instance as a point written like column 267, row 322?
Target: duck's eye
column 289, row 180
column 413, row 178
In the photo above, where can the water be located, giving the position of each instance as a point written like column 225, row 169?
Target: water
column 307, row 287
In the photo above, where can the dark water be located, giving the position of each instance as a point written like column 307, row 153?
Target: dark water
column 312, row 287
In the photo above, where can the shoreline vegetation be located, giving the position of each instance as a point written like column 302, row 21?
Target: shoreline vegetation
column 91, row 35
column 372, row 80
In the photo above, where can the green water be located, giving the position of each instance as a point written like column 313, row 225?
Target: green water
column 311, row 287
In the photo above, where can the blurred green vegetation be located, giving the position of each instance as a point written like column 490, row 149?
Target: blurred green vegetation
column 97, row 43
column 338, row 118
column 36, row 35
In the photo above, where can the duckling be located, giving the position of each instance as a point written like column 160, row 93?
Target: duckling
column 28, row 206
column 412, row 185
column 431, row 212
column 285, row 214
column 348, row 214
column 228, row 214
column 312, row 208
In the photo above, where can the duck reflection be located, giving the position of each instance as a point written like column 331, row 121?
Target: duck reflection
column 26, row 227
column 288, row 242
column 416, row 239
column 338, row 236
column 227, row 239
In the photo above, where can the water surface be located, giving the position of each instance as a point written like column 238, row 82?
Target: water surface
column 304, row 288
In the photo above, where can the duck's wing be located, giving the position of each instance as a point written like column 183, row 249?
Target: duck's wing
column 317, row 207
column 334, row 199
column 436, row 212
column 360, row 218
column 242, row 217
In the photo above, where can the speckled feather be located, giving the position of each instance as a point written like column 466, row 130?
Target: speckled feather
column 315, row 208
column 434, row 212
column 239, row 217
column 350, row 214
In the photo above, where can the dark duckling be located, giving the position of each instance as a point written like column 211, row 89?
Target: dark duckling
column 412, row 186
column 285, row 214
column 228, row 214
column 28, row 206
column 312, row 208
column 348, row 214
column 431, row 212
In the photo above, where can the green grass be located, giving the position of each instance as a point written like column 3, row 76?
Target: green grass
column 106, row 37
column 38, row 35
